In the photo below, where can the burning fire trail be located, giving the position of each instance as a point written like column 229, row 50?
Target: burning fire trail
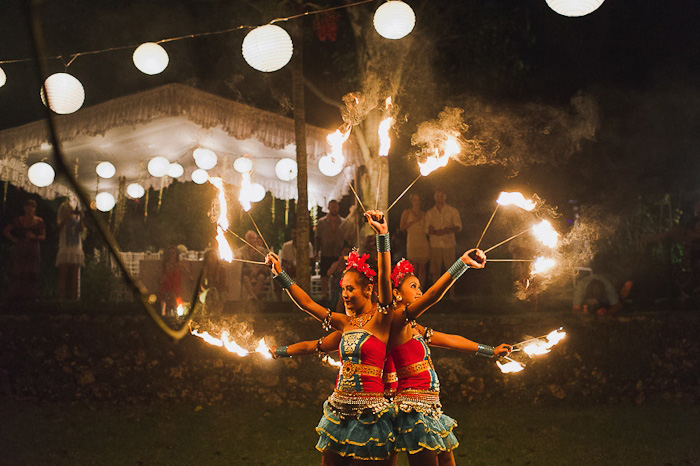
column 384, row 127
column 542, row 265
column 541, row 345
column 244, row 195
column 263, row 349
column 336, row 141
column 516, row 199
column 511, row 366
column 230, row 345
column 436, row 161
column 225, row 252
column 546, row 234
column 326, row 359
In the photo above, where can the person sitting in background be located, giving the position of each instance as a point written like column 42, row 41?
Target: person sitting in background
column 288, row 255
column 595, row 294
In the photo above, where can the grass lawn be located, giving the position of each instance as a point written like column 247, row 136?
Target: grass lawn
column 59, row 434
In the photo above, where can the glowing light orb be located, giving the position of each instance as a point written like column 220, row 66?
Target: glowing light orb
column 394, row 20
column 175, row 170
column 256, row 192
column 135, row 191
column 204, row 158
column 105, row 202
column 286, row 169
column 3, row 77
column 267, row 48
column 41, row 174
column 243, row 165
column 105, row 170
column 158, row 166
column 330, row 166
column 150, row 58
column 64, row 93
column 200, row 176
column 574, row 8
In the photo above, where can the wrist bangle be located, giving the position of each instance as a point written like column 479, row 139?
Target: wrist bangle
column 282, row 352
column 457, row 269
column 383, row 243
column 485, row 351
column 284, row 280
column 326, row 323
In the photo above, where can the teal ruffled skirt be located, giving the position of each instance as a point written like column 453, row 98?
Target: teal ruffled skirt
column 415, row 431
column 370, row 436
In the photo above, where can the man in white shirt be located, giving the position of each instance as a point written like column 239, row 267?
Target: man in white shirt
column 441, row 224
column 288, row 254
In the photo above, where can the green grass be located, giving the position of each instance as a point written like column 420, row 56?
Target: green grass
column 58, row 434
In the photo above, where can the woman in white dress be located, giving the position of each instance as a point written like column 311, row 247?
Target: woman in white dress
column 417, row 246
column 70, row 255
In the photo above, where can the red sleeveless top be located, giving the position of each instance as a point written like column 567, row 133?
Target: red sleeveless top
column 414, row 367
column 362, row 355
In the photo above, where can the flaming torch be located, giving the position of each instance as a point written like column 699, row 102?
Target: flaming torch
column 230, row 345
column 384, row 144
column 511, row 366
column 263, row 349
column 542, row 265
column 326, row 359
column 506, row 199
column 540, row 345
column 546, row 234
column 225, row 252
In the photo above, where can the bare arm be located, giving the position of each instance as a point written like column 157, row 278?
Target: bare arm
column 328, row 344
column 459, row 343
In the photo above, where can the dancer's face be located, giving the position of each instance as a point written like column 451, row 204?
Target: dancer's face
column 410, row 290
column 355, row 297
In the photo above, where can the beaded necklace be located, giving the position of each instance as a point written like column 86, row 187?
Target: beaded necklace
column 362, row 319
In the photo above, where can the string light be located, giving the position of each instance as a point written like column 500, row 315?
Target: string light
column 150, row 58
column 41, row 174
column 63, row 93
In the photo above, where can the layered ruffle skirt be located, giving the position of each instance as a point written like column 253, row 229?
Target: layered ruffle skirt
column 415, row 431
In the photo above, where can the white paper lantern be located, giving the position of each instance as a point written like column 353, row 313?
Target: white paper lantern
column 158, row 166
column 135, row 191
column 175, row 170
column 41, row 174
column 243, row 165
column 286, row 169
column 256, row 192
column 150, row 58
column 574, row 8
column 267, row 48
column 104, row 202
column 3, row 77
column 329, row 166
column 65, row 93
column 200, row 176
column 105, row 170
column 204, row 158
column 394, row 20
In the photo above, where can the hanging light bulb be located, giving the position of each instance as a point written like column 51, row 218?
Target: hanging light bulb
column 200, row 176
column 175, row 170
column 135, row 191
column 105, row 170
column 150, row 58
column 267, row 48
column 256, row 192
column 330, row 166
column 158, row 166
column 65, row 93
column 3, row 77
column 105, row 202
column 204, row 158
column 394, row 19
column 574, row 8
column 286, row 169
column 243, row 165
column 41, row 174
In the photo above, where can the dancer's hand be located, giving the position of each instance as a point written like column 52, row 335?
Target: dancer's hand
column 272, row 352
column 502, row 350
column 377, row 221
column 272, row 260
column 474, row 258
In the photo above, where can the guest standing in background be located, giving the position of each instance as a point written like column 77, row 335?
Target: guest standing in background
column 70, row 256
column 417, row 246
column 441, row 224
column 26, row 232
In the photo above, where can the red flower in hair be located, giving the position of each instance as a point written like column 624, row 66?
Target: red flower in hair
column 401, row 269
column 360, row 264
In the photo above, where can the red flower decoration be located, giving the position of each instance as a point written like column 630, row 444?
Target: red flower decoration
column 401, row 269
column 360, row 264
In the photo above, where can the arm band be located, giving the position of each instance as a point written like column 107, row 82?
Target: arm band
column 383, row 243
column 457, row 269
column 485, row 351
column 282, row 352
column 284, row 280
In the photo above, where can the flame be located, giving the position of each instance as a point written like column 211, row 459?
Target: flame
column 181, row 310
column 263, row 349
column 510, row 366
column 336, row 140
column 542, row 265
column 436, row 161
column 224, row 342
column 244, row 196
column 225, row 252
column 515, row 199
column 546, row 234
column 384, row 127
column 555, row 336
column 536, row 348
column 331, row 362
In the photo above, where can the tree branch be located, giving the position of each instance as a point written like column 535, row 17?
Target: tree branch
column 320, row 94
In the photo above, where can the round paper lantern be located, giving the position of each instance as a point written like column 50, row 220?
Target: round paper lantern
column 41, row 174
column 204, row 158
column 104, row 202
column 200, row 176
column 267, row 48
column 65, row 93
column 150, row 58
column 158, row 166
column 135, row 191
column 175, row 170
column 574, row 8
column 286, row 169
column 330, row 166
column 3, row 78
column 105, row 170
column 256, row 192
column 243, row 165
column 394, row 20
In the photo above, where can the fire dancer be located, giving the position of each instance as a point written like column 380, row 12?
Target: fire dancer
column 357, row 418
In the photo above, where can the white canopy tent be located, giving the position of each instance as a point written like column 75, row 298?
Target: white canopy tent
column 171, row 121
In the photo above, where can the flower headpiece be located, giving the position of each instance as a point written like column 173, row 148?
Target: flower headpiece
column 355, row 261
column 401, row 269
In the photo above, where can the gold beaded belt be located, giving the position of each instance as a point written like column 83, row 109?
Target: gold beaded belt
column 415, row 368
column 426, row 402
column 345, row 404
column 391, row 377
column 349, row 369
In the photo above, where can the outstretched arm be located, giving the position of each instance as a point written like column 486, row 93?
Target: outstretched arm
column 459, row 343
column 327, row 344
column 440, row 287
